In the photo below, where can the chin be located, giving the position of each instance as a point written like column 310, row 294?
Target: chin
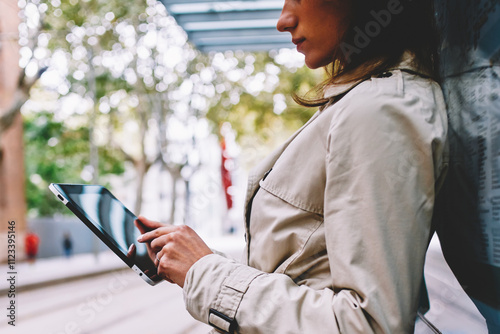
column 314, row 63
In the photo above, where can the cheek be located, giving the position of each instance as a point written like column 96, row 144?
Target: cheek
column 330, row 33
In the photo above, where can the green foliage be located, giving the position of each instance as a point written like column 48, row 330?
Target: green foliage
column 57, row 153
column 133, row 71
column 252, row 115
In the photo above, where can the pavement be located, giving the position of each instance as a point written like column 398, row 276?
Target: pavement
column 54, row 270
column 448, row 301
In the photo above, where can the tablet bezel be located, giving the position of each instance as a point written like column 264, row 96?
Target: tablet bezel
column 60, row 193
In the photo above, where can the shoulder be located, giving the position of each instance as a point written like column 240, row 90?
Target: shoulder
column 398, row 99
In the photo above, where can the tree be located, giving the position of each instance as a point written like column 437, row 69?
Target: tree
column 128, row 76
column 254, row 94
column 108, row 50
column 24, row 84
column 57, row 152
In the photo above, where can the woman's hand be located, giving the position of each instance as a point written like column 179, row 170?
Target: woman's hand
column 177, row 248
column 144, row 225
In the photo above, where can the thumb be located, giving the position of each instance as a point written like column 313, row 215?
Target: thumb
column 147, row 225
column 131, row 251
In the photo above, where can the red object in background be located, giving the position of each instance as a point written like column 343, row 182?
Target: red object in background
column 31, row 244
column 226, row 175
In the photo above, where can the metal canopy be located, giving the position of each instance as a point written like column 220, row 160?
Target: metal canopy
column 248, row 25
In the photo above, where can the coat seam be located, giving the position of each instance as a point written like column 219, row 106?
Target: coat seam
column 285, row 196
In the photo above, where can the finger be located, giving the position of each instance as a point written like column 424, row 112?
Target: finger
column 158, row 260
column 148, row 236
column 158, row 243
column 140, row 226
column 149, row 224
column 161, row 270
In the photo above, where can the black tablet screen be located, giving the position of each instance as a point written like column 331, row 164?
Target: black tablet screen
column 112, row 219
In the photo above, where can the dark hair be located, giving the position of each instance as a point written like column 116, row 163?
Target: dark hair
column 379, row 32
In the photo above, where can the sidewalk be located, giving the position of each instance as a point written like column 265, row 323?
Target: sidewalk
column 451, row 309
column 59, row 269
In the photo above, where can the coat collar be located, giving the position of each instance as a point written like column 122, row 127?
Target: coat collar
column 407, row 62
column 332, row 91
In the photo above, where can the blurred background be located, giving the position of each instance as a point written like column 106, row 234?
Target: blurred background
column 170, row 115
column 97, row 92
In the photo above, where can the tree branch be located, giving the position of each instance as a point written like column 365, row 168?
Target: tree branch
column 20, row 97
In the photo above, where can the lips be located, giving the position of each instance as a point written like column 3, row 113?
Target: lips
column 297, row 41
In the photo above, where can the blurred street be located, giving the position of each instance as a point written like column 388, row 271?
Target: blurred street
column 118, row 301
column 88, row 295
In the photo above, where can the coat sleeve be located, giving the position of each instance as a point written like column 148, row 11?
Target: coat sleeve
column 381, row 165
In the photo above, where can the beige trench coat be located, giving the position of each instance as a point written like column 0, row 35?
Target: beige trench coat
column 338, row 229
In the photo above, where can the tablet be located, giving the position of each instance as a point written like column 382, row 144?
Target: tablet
column 111, row 222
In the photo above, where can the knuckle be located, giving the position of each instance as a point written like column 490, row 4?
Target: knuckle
column 175, row 238
column 165, row 248
column 157, row 232
column 168, row 247
column 169, row 238
column 184, row 228
column 155, row 244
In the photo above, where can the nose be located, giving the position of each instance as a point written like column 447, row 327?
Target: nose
column 287, row 20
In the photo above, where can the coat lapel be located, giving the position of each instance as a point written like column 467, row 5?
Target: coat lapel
column 258, row 172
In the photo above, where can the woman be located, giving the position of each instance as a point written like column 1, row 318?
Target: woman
column 338, row 219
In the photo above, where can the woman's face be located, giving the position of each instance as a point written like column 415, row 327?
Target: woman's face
column 316, row 27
